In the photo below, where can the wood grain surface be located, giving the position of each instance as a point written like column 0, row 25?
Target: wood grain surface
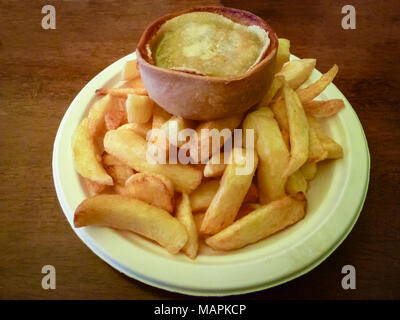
column 41, row 71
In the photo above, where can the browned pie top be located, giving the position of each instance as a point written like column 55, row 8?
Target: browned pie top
column 209, row 44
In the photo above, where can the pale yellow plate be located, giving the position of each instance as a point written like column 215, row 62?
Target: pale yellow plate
column 335, row 198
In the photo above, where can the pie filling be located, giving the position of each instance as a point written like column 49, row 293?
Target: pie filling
column 208, row 44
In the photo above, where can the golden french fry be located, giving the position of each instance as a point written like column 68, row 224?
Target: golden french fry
column 151, row 188
column 135, row 83
column 309, row 170
column 272, row 152
column 119, row 171
column 87, row 158
column 283, row 54
column 305, row 95
column 110, row 160
column 296, row 183
column 198, row 219
column 216, row 164
column 276, row 85
column 212, row 170
column 139, row 108
column 96, row 123
column 244, row 210
column 173, row 127
column 296, row 72
column 333, row 149
column 185, row 217
column 298, row 131
column 94, row 188
column 131, row 149
column 261, row 223
column 315, row 89
column 115, row 116
column 233, row 188
column 279, row 109
column 160, row 116
column 208, row 144
column 316, row 150
column 130, row 70
column 201, row 198
column 116, row 211
column 286, row 138
column 121, row 92
column 323, row 109
column 141, row 128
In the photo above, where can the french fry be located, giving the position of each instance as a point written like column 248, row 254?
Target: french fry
column 261, row 223
column 116, row 211
column 333, row 149
column 201, row 198
column 96, row 123
column 305, row 95
column 160, row 116
column 296, row 183
column 245, row 209
column 315, row 89
column 205, row 144
column 115, row 116
column 121, row 92
column 283, row 54
column 87, row 159
column 173, row 126
column 309, row 170
column 279, row 110
column 316, row 150
column 110, row 160
column 212, row 170
column 151, row 188
column 130, row 70
column 141, row 128
column 286, row 138
column 323, row 109
column 216, row 164
column 276, row 85
column 298, row 131
column 119, row 171
column 272, row 152
column 296, row 72
column 94, row 188
column 139, row 108
column 198, row 219
column 231, row 192
column 185, row 217
column 131, row 149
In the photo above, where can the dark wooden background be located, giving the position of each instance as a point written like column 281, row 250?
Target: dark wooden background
column 41, row 71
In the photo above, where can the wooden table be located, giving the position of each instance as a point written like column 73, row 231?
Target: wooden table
column 41, row 71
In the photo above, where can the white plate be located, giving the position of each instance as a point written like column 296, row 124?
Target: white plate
column 335, row 199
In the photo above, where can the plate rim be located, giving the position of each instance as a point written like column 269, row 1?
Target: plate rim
column 190, row 291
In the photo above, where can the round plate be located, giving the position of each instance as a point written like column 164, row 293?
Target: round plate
column 335, row 199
